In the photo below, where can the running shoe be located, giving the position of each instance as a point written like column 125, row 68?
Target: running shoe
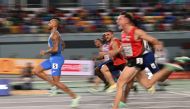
column 75, row 102
column 152, row 90
column 93, row 90
column 112, row 88
column 106, row 86
column 174, row 67
column 182, row 59
column 122, row 104
column 53, row 91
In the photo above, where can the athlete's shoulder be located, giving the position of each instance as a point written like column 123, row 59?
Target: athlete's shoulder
column 140, row 33
column 55, row 34
column 117, row 39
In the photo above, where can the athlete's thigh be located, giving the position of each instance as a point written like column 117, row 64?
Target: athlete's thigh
column 46, row 65
column 127, row 74
column 107, row 66
column 103, row 63
column 142, row 77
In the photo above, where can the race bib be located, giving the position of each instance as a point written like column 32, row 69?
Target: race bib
column 139, row 61
column 106, row 57
column 128, row 49
column 54, row 66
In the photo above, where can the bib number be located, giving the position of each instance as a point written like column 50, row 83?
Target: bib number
column 139, row 61
column 106, row 57
column 55, row 66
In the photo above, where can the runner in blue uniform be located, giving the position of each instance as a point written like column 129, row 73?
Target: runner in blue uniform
column 55, row 62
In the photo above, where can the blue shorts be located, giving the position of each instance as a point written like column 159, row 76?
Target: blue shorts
column 103, row 63
column 54, row 63
column 143, row 61
column 115, row 71
column 149, row 62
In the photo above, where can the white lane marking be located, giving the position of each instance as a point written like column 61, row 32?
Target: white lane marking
column 164, row 107
column 156, row 102
column 178, row 93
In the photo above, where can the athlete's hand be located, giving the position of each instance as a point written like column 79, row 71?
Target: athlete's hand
column 158, row 47
column 42, row 52
column 120, row 49
column 102, row 53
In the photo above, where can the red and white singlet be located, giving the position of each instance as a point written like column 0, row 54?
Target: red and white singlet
column 132, row 48
column 119, row 58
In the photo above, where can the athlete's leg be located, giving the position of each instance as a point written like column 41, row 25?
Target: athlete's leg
column 163, row 73
column 105, row 70
column 126, row 76
column 97, row 81
column 39, row 71
column 122, row 103
column 127, row 90
column 101, row 76
column 62, row 86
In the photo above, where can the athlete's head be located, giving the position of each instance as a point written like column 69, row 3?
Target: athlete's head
column 53, row 23
column 108, row 35
column 103, row 39
column 98, row 42
column 125, row 18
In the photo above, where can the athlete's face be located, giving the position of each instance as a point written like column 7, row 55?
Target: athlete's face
column 108, row 36
column 52, row 23
column 97, row 43
column 104, row 39
column 121, row 21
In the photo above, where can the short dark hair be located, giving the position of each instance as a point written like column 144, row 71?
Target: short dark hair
column 58, row 19
column 130, row 16
column 127, row 15
column 99, row 40
column 110, row 31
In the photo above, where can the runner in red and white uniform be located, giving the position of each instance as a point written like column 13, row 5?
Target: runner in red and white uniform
column 132, row 43
column 118, row 61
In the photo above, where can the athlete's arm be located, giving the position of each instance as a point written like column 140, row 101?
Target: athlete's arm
column 100, row 54
column 55, row 40
column 143, row 35
column 115, row 50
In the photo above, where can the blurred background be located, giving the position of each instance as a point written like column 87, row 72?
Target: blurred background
column 23, row 29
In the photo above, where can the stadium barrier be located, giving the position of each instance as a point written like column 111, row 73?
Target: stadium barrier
column 4, row 87
column 180, row 75
column 70, row 67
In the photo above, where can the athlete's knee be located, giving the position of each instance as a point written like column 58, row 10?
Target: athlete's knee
column 104, row 68
column 97, row 71
column 36, row 71
column 56, row 83
column 148, row 85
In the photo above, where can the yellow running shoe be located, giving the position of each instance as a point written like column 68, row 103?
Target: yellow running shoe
column 152, row 90
column 112, row 88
